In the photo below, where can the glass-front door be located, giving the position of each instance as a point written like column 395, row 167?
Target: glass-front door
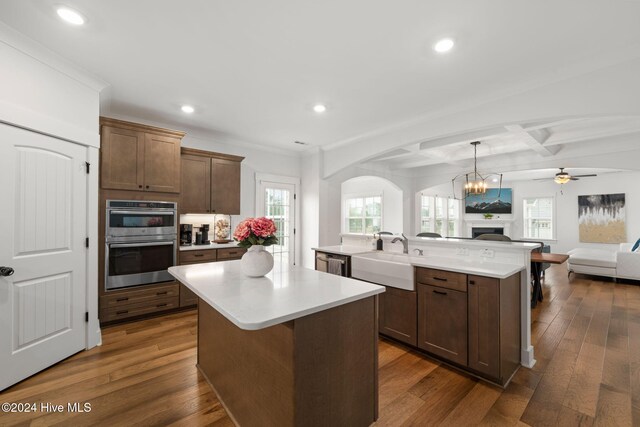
column 279, row 205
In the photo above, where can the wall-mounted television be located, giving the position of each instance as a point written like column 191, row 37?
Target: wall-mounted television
column 489, row 202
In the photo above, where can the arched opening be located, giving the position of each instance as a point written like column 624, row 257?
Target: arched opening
column 371, row 204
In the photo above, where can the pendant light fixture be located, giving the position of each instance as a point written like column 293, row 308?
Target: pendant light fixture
column 475, row 184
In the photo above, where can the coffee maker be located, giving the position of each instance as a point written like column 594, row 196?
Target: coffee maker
column 186, row 234
column 204, row 231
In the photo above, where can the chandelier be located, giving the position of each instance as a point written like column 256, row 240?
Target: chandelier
column 474, row 182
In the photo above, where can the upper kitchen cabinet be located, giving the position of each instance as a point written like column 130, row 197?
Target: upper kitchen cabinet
column 139, row 157
column 210, row 182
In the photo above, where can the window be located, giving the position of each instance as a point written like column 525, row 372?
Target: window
column 538, row 218
column 440, row 215
column 363, row 214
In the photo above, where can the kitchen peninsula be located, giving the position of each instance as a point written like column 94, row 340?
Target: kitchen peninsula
column 296, row 347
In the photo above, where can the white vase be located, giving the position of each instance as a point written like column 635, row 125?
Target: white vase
column 256, row 262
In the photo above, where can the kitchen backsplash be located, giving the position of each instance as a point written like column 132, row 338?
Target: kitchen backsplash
column 212, row 219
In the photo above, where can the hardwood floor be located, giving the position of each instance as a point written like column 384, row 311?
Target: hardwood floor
column 586, row 335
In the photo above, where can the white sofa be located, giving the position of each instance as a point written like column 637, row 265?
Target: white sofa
column 621, row 263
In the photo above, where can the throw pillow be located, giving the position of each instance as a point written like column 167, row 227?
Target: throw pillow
column 636, row 246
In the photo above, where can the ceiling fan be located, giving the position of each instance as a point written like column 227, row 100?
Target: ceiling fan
column 563, row 177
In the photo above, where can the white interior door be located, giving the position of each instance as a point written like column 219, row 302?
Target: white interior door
column 276, row 200
column 42, row 238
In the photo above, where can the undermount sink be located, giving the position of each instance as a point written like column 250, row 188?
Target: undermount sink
column 383, row 268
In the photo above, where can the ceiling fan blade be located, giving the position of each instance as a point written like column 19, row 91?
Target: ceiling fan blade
column 542, row 179
column 584, row 176
column 573, row 178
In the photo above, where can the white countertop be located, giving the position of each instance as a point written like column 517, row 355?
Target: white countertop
column 480, row 268
column 209, row 246
column 343, row 249
column 286, row 293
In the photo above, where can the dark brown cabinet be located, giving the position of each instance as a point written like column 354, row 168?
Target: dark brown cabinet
column 442, row 322
column 397, row 315
column 225, row 186
column 473, row 321
column 195, row 196
column 138, row 157
column 494, row 326
column 210, row 182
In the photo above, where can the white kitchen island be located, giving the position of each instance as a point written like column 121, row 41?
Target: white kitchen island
column 296, row 347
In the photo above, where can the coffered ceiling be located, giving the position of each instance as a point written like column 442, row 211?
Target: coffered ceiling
column 537, row 140
column 254, row 69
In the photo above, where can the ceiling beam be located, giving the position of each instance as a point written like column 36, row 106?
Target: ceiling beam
column 534, row 139
column 468, row 137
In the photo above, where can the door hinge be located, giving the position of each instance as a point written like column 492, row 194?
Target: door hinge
column 294, row 231
column 88, row 165
column 294, row 196
column 86, row 316
column 86, row 242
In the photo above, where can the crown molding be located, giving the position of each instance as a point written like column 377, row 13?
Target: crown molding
column 40, row 53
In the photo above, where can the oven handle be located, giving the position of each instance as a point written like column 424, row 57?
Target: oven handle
column 172, row 213
column 137, row 245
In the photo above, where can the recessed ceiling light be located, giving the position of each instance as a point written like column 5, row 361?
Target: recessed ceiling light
column 443, row 45
column 70, row 16
column 188, row 109
column 494, row 180
column 319, row 108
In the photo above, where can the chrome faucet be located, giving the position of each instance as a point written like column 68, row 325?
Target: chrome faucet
column 405, row 243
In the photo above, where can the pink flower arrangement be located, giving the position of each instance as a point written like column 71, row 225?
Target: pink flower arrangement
column 255, row 231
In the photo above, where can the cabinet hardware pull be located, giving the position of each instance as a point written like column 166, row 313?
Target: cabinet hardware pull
column 161, row 305
column 162, row 293
column 472, row 282
column 232, row 253
column 439, row 293
column 198, row 255
column 122, row 312
column 122, row 299
column 440, row 279
column 139, row 186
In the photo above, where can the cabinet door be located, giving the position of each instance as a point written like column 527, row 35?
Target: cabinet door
column 225, row 186
column 442, row 322
column 195, row 196
column 161, row 163
column 398, row 315
column 122, row 159
column 484, row 325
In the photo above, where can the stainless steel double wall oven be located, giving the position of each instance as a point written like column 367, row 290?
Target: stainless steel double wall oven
column 141, row 242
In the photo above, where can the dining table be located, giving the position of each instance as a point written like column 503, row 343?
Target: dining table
column 537, row 259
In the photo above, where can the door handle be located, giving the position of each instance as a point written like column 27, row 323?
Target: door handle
column 6, row 271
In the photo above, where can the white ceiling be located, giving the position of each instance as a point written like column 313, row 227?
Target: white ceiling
column 253, row 69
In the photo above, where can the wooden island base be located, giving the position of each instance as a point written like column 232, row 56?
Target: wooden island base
column 316, row 370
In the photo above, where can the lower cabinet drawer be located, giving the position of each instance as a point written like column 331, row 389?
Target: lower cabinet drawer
column 135, row 296
column 202, row 255
column 227, row 254
column 141, row 308
column 441, row 278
